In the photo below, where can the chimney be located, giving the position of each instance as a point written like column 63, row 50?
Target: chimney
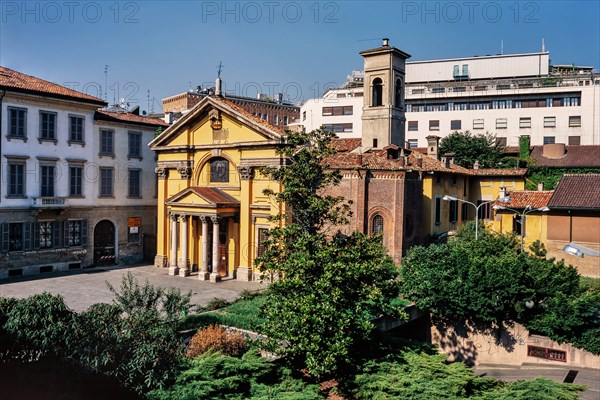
column 386, row 42
column 168, row 118
column 433, row 144
column 476, row 165
column 540, row 186
column 401, row 158
column 502, row 191
column 420, row 162
column 218, row 87
column 279, row 98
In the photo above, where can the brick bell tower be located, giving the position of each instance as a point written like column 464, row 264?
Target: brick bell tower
column 383, row 110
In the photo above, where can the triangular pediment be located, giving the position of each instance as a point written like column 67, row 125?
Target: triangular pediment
column 202, row 196
column 237, row 126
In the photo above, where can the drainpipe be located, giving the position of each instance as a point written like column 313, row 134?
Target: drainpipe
column 2, row 94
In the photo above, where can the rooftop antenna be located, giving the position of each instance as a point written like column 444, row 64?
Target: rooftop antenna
column 543, row 46
column 502, row 46
column 219, row 69
column 148, row 98
column 106, row 82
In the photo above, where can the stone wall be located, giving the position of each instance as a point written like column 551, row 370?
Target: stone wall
column 504, row 346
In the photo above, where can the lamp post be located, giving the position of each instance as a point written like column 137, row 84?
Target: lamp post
column 525, row 211
column 505, row 199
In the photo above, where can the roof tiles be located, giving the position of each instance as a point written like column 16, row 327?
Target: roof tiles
column 577, row 191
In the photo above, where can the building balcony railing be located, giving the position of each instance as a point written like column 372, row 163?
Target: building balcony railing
column 49, row 202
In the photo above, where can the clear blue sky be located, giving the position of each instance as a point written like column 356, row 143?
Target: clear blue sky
column 298, row 47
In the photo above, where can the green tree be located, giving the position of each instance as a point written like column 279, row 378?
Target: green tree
column 469, row 148
column 318, row 312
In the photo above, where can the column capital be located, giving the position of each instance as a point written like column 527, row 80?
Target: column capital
column 215, row 219
column 161, row 172
column 185, row 172
column 203, row 219
column 246, row 173
column 183, row 218
column 173, row 216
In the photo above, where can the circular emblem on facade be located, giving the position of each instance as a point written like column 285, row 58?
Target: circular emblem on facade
column 216, row 124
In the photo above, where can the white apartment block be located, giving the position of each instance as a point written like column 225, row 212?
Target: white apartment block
column 77, row 183
column 506, row 95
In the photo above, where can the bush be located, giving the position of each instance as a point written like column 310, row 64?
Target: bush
column 216, row 303
column 216, row 338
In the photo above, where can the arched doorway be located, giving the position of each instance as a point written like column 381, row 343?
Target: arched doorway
column 104, row 243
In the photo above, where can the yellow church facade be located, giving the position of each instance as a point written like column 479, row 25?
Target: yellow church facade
column 212, row 212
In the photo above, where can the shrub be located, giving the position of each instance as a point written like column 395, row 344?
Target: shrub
column 216, row 338
column 217, row 303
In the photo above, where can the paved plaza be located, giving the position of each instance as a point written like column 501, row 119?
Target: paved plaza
column 81, row 289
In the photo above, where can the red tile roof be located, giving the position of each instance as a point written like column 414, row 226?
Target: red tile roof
column 19, row 82
column 577, row 191
column 346, row 144
column 215, row 196
column 103, row 115
column 575, row 156
column 249, row 115
column 524, row 198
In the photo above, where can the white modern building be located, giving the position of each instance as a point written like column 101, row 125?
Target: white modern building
column 77, row 182
column 508, row 95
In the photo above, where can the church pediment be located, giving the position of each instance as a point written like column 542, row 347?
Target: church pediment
column 201, row 196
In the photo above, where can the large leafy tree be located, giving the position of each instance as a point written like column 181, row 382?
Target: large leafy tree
column 318, row 312
column 469, row 148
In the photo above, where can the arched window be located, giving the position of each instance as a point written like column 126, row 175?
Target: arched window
column 398, row 93
column 219, row 170
column 377, row 225
column 377, row 98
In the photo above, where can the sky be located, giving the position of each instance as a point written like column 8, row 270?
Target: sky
column 157, row 49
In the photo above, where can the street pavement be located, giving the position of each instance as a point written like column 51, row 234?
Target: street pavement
column 585, row 376
column 83, row 288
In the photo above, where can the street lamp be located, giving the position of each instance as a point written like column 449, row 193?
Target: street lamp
column 526, row 211
column 505, row 199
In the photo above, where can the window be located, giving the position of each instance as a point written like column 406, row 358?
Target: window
column 455, row 124
column 484, row 211
column 501, row 123
column 438, row 90
column 76, row 233
column 434, row 125
column 219, row 170
column 341, row 110
column 16, row 180
column 265, row 116
column 76, row 181
column 17, row 122
column 303, row 115
column 285, row 120
column 438, row 211
column 478, row 124
column 76, row 124
column 375, row 143
column 417, row 91
column 275, row 119
column 47, row 125
column 135, row 183
column 16, row 236
column 549, row 139
column 413, row 125
column 459, row 89
column 465, row 211
column 465, row 70
column 574, row 120
column 398, row 93
column 377, row 98
column 453, row 212
column 107, row 142
column 518, row 224
column 135, row 145
column 525, row 122
column 106, row 182
column 501, row 141
column 456, row 71
column 47, row 183
column 549, row 122
column 413, row 143
column 261, row 240
column 574, row 140
column 45, row 230
column 337, row 127
column 377, row 225
column 502, row 87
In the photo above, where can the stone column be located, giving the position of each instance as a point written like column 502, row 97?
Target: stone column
column 214, row 276
column 244, row 270
column 204, row 275
column 184, row 265
column 173, row 270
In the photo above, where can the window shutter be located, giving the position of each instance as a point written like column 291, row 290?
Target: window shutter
column 84, row 232
column 36, row 235
column 56, row 234
column 4, row 228
column 27, row 236
column 66, row 235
